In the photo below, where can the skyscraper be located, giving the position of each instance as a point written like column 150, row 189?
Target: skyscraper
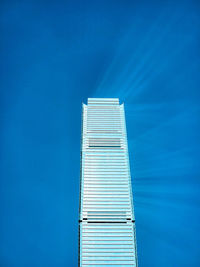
column 106, row 223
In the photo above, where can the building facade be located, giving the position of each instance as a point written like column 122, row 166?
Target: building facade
column 106, row 223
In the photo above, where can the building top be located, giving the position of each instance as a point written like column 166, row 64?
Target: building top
column 103, row 101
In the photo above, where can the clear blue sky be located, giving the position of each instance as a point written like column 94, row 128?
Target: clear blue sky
column 53, row 56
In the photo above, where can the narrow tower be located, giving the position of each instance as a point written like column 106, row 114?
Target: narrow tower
column 106, row 223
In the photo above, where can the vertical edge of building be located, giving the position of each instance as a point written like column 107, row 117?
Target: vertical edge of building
column 81, row 186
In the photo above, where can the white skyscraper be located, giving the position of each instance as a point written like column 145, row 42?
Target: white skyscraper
column 107, row 224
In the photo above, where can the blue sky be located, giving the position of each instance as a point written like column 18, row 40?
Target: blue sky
column 56, row 54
